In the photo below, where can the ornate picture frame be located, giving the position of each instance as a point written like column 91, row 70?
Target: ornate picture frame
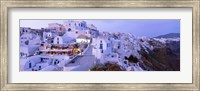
column 4, row 57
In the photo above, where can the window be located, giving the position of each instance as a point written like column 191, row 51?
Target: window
column 69, row 29
column 40, row 67
column 29, row 64
column 101, row 46
column 101, row 51
column 118, row 47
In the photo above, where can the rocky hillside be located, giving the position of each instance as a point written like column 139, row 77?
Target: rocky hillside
column 165, row 55
column 145, row 54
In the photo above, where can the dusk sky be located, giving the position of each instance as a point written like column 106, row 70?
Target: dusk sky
column 150, row 28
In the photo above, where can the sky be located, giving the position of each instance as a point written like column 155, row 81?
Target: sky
column 138, row 27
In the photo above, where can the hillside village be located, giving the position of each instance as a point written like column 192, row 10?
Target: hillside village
column 78, row 46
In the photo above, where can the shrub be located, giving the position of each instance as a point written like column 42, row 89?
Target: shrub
column 132, row 59
column 107, row 67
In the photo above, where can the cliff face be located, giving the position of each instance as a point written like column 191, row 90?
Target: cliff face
column 146, row 54
column 161, row 58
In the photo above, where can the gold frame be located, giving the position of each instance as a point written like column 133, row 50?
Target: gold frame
column 6, row 4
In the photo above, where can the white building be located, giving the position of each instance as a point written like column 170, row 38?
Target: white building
column 28, row 38
column 58, row 40
column 55, row 27
column 28, row 50
column 31, row 62
column 43, row 62
column 91, row 26
column 50, row 68
column 73, row 33
column 47, row 35
column 83, row 39
column 112, row 57
column 116, row 44
column 67, row 39
column 101, row 46
column 75, row 25
column 25, row 30
column 24, row 38
column 35, row 41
